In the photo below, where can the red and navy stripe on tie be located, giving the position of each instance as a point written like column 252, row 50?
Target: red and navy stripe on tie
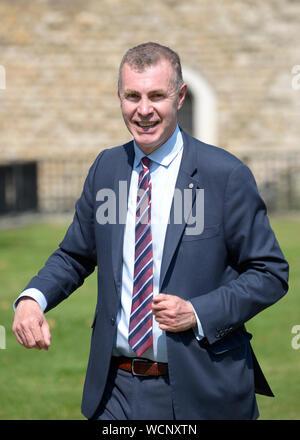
column 140, row 326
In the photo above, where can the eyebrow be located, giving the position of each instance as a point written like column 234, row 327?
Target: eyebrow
column 129, row 91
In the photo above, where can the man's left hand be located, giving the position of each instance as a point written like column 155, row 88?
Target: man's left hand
column 173, row 314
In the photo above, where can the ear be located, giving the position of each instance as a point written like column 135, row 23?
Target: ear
column 181, row 96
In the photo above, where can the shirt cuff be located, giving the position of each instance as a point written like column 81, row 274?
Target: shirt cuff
column 198, row 330
column 35, row 294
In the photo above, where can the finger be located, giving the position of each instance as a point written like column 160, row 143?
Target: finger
column 168, row 327
column 23, row 333
column 30, row 340
column 19, row 337
column 31, row 337
column 37, row 335
column 45, row 329
column 158, row 307
column 161, row 303
column 30, row 333
column 160, row 297
column 164, row 327
column 17, row 333
column 162, row 318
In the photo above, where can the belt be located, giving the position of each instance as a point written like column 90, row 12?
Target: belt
column 140, row 366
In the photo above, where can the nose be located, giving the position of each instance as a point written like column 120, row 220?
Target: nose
column 145, row 107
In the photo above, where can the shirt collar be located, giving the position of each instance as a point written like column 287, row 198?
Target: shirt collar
column 165, row 154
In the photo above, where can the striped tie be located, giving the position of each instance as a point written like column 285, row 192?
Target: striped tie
column 140, row 326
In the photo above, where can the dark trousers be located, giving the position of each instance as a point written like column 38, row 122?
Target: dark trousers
column 129, row 397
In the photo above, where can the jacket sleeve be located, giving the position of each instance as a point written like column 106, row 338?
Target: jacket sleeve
column 253, row 251
column 75, row 259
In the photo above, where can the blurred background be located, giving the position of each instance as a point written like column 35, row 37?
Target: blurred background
column 59, row 108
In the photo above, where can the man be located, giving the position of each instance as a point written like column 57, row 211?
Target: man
column 168, row 340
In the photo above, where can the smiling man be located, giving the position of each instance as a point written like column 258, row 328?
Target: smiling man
column 150, row 99
column 169, row 340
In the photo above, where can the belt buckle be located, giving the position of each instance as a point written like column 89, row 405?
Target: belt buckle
column 145, row 361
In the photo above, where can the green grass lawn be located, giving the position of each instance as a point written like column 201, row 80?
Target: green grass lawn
column 48, row 385
column 272, row 333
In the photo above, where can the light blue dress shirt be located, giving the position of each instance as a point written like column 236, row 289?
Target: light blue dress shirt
column 165, row 163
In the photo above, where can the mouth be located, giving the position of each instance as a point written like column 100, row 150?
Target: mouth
column 146, row 125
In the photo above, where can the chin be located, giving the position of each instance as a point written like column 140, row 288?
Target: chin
column 148, row 147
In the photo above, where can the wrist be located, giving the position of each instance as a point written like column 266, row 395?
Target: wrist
column 24, row 299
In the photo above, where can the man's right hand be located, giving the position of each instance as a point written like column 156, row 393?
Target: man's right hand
column 30, row 326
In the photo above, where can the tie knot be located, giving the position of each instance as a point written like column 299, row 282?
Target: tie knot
column 146, row 162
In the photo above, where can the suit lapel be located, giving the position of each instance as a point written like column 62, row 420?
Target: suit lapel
column 187, row 179
column 122, row 174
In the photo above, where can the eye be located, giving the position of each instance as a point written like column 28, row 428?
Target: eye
column 132, row 96
column 157, row 96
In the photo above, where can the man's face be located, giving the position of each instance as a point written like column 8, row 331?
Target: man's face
column 149, row 103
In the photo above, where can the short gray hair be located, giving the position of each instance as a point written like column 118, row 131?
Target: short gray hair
column 149, row 54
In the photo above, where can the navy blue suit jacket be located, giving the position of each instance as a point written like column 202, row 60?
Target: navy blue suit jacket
column 230, row 272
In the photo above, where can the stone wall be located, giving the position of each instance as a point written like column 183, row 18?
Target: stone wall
column 61, row 59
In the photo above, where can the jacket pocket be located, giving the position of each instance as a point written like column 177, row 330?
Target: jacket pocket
column 208, row 232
